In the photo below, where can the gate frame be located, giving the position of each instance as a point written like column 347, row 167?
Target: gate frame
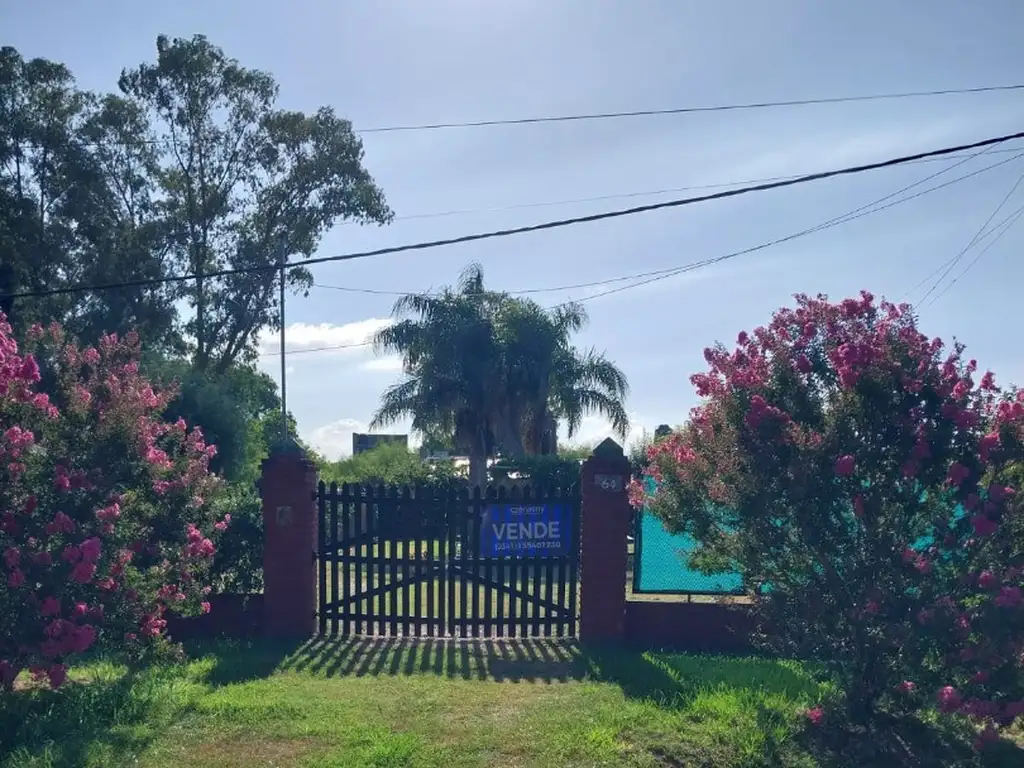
column 446, row 523
column 291, row 537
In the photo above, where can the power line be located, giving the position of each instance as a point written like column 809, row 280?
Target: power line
column 671, row 271
column 628, row 195
column 660, row 112
column 559, row 223
column 977, row 235
column 864, row 210
column 688, row 110
column 1009, row 222
column 949, row 261
column 853, row 215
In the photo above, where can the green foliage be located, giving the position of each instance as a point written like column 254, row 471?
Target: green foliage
column 495, row 373
column 861, row 481
column 76, row 206
column 240, row 412
column 243, row 183
column 390, row 464
column 551, row 471
column 191, row 167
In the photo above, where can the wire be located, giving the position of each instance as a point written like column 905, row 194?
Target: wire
column 853, row 215
column 424, row 245
column 946, row 263
column 663, row 112
column 671, row 271
column 653, row 276
column 1013, row 218
column 688, row 110
column 973, row 240
column 627, row 195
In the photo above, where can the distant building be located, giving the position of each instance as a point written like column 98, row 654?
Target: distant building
column 363, row 443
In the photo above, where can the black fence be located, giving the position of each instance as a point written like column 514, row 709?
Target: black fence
column 431, row 562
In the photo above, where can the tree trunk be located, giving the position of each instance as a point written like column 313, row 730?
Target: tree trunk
column 478, row 470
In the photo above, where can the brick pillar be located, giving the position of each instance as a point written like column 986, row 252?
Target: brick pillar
column 289, row 543
column 605, row 525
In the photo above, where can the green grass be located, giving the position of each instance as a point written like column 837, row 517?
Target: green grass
column 429, row 703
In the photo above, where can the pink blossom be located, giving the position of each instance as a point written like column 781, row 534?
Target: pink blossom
column 1009, row 597
column 858, row 506
column 949, row 699
column 204, row 607
column 91, row 356
column 83, row 572
column 109, row 513
column 998, row 492
column 984, row 525
column 987, row 444
column 15, row 578
column 815, row 715
column 12, row 557
column 42, row 558
column 907, row 687
column 50, row 607
column 80, row 609
column 958, row 473
column 57, row 673
column 845, row 466
column 91, row 548
column 987, row 580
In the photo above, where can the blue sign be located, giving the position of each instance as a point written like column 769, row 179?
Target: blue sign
column 525, row 530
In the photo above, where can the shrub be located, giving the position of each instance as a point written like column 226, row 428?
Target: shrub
column 861, row 481
column 105, row 514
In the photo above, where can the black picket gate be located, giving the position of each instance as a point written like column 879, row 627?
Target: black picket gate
column 428, row 562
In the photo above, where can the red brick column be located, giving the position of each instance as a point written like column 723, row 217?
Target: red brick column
column 289, row 544
column 605, row 525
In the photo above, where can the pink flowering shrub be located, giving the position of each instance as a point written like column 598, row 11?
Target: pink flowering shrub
column 104, row 507
column 864, row 482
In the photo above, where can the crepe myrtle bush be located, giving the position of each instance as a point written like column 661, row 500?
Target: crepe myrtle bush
column 863, row 480
column 105, row 520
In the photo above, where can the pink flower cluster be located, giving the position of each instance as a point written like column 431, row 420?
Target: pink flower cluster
column 67, row 553
column 844, row 407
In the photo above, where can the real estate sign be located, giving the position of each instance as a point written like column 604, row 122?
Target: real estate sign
column 525, row 530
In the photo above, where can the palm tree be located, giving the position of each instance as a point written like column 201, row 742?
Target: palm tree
column 495, row 372
column 452, row 382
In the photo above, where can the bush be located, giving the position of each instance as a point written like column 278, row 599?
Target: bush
column 390, row 464
column 862, row 482
column 542, row 471
column 105, row 513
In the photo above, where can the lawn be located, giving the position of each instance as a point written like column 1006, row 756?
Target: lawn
column 427, row 703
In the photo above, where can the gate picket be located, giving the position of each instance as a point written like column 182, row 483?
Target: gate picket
column 413, row 562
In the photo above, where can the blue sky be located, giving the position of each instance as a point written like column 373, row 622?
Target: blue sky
column 402, row 62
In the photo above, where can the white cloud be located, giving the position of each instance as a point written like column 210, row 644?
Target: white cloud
column 334, row 440
column 388, row 364
column 329, row 337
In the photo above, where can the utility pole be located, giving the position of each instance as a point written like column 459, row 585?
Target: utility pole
column 282, row 259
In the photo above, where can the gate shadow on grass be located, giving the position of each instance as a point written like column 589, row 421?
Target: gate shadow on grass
column 504, row 660
column 671, row 680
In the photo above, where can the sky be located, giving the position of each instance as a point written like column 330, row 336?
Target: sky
column 427, row 61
